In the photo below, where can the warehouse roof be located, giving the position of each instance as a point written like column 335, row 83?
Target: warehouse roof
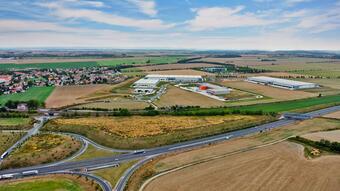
column 279, row 81
column 147, row 81
column 172, row 76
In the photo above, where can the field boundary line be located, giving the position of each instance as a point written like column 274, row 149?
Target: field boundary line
column 148, row 181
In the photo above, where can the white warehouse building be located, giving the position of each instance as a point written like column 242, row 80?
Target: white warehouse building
column 281, row 83
column 175, row 78
column 145, row 85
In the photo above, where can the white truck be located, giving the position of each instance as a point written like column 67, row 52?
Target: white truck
column 30, row 173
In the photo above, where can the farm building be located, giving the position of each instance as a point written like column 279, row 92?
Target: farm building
column 281, row 83
column 145, row 85
column 175, row 78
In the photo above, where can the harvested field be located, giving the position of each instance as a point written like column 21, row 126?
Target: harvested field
column 51, row 60
column 8, row 139
column 175, row 66
column 333, row 136
column 227, row 148
column 115, row 103
column 335, row 115
column 145, row 132
column 42, row 148
column 50, row 183
column 68, row 95
column 268, row 91
column 182, row 72
column 176, row 96
column 277, row 167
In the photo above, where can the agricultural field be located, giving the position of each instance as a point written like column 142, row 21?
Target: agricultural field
column 226, row 149
column 55, row 65
column 277, row 94
column 147, row 131
column 174, row 67
column 69, row 95
column 280, row 166
column 15, row 123
column 141, row 60
column 335, row 115
column 176, row 96
column 182, row 72
column 333, row 136
column 50, row 183
column 35, row 93
column 114, row 103
column 113, row 174
column 42, row 148
column 8, row 139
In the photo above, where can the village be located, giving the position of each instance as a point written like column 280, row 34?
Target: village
column 19, row 81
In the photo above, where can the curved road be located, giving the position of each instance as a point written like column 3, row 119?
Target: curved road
column 105, row 161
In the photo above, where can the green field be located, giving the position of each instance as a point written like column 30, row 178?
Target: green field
column 141, row 60
column 35, row 93
column 112, row 62
column 63, row 65
column 10, row 122
column 302, row 105
column 43, row 185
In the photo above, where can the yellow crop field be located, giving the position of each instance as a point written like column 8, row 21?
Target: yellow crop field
column 138, row 126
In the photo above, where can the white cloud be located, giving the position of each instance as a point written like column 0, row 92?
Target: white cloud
column 114, row 39
column 147, row 7
column 320, row 21
column 224, row 17
column 85, row 2
column 13, row 25
column 60, row 11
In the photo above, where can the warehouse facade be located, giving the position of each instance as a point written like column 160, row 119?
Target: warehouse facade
column 176, row 78
column 281, row 83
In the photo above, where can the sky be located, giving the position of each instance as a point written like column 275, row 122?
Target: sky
column 171, row 24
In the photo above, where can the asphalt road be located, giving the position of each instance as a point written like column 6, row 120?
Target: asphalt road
column 98, row 162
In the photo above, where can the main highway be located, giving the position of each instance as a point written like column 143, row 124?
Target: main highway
column 148, row 153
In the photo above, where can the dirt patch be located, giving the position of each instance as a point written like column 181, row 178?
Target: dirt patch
column 277, row 167
column 68, row 95
column 333, row 136
column 335, row 115
column 268, row 91
column 115, row 103
column 182, row 72
column 175, row 66
column 176, row 96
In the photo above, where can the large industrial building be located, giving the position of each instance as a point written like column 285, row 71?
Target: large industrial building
column 281, row 83
column 148, row 84
column 214, row 89
column 145, row 85
column 176, row 78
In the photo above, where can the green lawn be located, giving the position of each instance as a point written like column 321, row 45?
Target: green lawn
column 64, row 65
column 35, row 93
column 14, row 121
column 113, row 174
column 42, row 185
